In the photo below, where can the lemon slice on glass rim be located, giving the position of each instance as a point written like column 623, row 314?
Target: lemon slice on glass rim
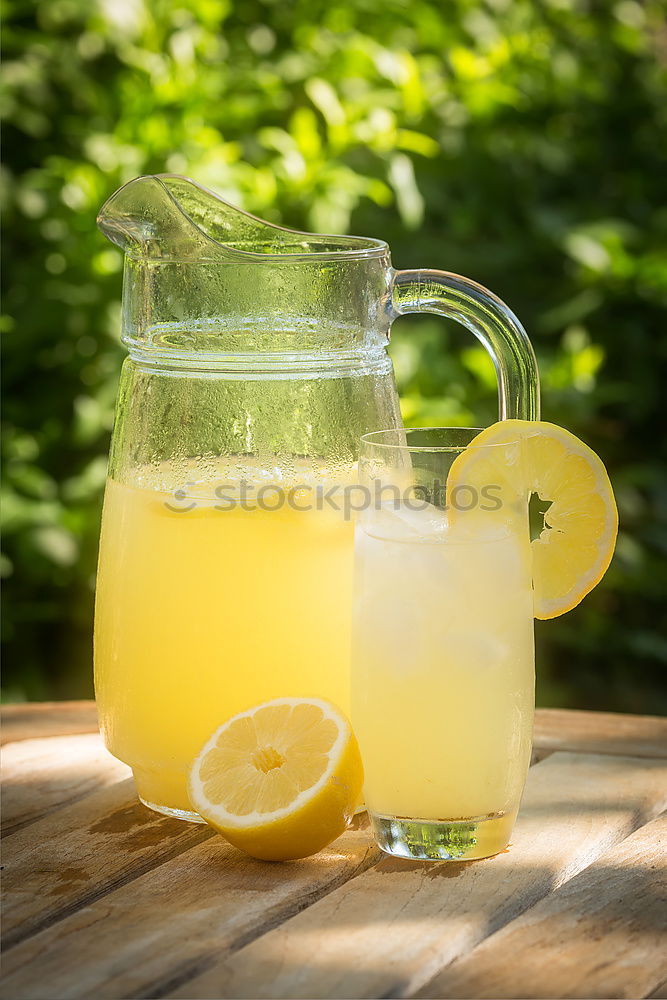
column 573, row 551
column 281, row 780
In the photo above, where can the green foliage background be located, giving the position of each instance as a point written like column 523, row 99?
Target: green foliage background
column 520, row 142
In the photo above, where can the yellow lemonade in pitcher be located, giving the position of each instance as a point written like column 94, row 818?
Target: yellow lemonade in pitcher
column 206, row 607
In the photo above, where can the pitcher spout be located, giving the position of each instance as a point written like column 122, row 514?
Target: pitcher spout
column 146, row 220
column 169, row 217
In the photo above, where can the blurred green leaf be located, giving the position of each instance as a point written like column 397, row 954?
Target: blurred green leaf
column 521, row 144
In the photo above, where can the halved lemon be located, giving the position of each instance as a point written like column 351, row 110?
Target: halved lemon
column 280, row 781
column 572, row 553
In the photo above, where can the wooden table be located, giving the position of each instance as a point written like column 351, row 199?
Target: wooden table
column 103, row 898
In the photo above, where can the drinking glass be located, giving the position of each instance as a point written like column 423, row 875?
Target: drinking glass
column 443, row 655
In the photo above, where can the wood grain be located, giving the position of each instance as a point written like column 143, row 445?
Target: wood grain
column 81, row 852
column 105, row 898
column 34, row 720
column 600, row 732
column 39, row 776
column 390, row 930
column 145, row 937
column 600, row 935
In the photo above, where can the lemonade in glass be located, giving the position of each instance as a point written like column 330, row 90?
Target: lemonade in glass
column 443, row 657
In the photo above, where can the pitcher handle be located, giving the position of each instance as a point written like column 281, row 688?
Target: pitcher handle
column 492, row 322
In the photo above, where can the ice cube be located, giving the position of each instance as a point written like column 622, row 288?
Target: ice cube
column 470, row 649
column 398, row 521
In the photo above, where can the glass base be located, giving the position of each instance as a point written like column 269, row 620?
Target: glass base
column 443, row 840
column 165, row 792
column 184, row 814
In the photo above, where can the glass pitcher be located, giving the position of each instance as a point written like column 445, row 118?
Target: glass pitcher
column 257, row 359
